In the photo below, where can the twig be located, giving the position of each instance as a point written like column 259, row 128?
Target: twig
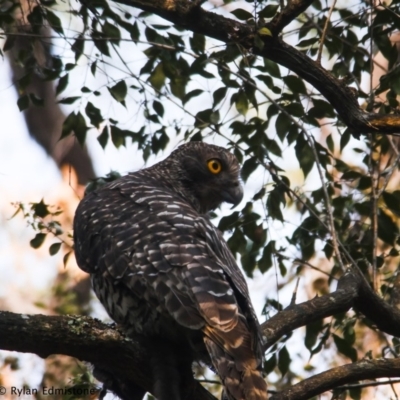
column 328, row 204
column 303, row 262
column 320, row 383
column 323, row 36
column 374, row 211
column 368, row 384
column 294, row 295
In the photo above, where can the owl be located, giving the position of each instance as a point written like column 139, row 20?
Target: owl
column 163, row 271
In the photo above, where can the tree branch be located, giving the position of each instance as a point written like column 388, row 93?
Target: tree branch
column 191, row 16
column 353, row 291
column 320, row 383
column 298, row 315
column 88, row 340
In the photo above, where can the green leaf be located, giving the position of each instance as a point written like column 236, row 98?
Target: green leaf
column 312, row 332
column 355, row 393
column 330, row 143
column 158, row 108
column 237, row 242
column 78, row 46
column 203, row 118
column 101, row 44
column 75, row 123
column 178, row 87
column 264, row 32
column 23, row 102
column 159, row 141
column 40, row 209
column 54, row 21
column 284, row 361
column 219, row 95
column 38, row 240
column 282, row 125
column 119, row 91
column 66, row 257
column 269, row 11
column 295, row 84
column 214, row 117
column 198, row 43
column 69, row 100
column 265, row 262
column 241, row 14
column 93, row 68
column 117, row 136
column 272, row 68
column 103, row 137
column 134, row 32
column 228, row 222
column 258, row 42
column 282, row 268
column 294, row 109
column 276, row 197
column 392, row 201
column 308, row 42
column 272, row 146
column 321, row 109
column 62, row 84
column 241, row 102
column 94, row 114
column 193, row 93
column 387, row 229
column 157, row 77
column 54, row 248
column 345, row 347
column 270, row 364
column 350, row 175
column 36, row 18
column 344, row 139
column 304, row 155
column 249, row 166
column 112, row 33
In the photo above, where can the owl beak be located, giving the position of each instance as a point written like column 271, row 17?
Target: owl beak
column 233, row 195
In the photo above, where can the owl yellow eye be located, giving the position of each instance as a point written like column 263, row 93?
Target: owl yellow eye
column 214, row 166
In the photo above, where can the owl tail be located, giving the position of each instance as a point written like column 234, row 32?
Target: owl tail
column 238, row 369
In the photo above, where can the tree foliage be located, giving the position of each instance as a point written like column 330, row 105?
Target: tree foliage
column 284, row 85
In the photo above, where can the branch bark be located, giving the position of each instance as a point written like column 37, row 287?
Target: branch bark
column 320, row 383
column 353, row 291
column 124, row 361
column 191, row 16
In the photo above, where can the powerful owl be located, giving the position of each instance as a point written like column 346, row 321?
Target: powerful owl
column 162, row 270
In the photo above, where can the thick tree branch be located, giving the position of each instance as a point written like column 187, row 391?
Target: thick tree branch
column 318, row 308
column 88, row 340
column 320, row 383
column 352, row 291
column 192, row 17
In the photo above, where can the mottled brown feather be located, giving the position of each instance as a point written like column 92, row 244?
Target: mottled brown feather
column 161, row 268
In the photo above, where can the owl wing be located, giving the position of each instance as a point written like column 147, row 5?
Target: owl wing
column 161, row 250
